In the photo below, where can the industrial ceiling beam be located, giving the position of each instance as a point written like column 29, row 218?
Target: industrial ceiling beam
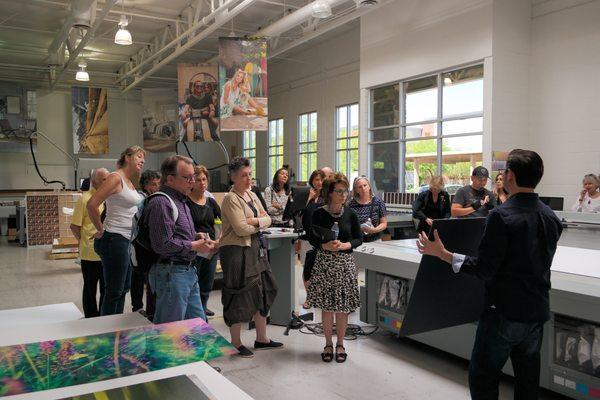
column 220, row 19
column 84, row 41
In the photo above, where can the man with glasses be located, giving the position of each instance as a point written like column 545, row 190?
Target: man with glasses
column 514, row 259
column 474, row 200
column 172, row 236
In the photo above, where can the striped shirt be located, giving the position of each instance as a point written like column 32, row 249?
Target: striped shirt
column 171, row 239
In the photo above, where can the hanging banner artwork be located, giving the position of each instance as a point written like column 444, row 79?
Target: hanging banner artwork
column 60, row 363
column 90, row 120
column 243, row 84
column 159, row 119
column 197, row 102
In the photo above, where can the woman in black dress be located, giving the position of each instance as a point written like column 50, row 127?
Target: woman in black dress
column 334, row 282
column 431, row 204
column 205, row 211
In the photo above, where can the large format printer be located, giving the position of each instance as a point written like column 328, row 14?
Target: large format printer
column 571, row 347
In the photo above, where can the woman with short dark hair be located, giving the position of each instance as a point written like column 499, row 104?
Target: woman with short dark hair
column 334, row 282
column 249, row 286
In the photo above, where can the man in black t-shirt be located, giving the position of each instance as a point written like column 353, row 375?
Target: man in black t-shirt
column 474, row 200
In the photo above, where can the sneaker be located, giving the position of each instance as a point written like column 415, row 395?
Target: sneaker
column 265, row 346
column 244, row 352
column 209, row 313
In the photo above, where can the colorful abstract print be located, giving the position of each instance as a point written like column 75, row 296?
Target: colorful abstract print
column 59, row 363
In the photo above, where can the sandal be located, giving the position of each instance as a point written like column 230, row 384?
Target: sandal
column 327, row 356
column 340, row 357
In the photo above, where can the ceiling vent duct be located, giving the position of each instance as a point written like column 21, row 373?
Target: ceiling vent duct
column 83, row 13
column 366, row 3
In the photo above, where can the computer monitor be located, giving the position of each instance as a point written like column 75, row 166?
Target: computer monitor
column 555, row 203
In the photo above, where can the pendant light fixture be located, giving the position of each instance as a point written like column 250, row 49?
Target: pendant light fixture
column 82, row 75
column 321, row 9
column 123, row 36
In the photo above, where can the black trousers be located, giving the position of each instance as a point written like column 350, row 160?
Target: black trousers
column 138, row 278
column 92, row 275
column 497, row 339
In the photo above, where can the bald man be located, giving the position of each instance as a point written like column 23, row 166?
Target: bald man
column 83, row 229
column 327, row 171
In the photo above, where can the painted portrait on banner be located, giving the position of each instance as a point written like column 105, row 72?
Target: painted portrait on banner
column 160, row 119
column 197, row 102
column 90, row 120
column 243, row 84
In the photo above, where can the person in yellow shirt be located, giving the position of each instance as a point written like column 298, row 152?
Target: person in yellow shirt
column 83, row 229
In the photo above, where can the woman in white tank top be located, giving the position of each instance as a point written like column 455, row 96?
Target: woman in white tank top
column 112, row 239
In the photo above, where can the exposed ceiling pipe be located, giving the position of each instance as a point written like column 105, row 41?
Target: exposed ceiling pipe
column 80, row 10
column 288, row 22
column 202, row 22
column 192, row 41
column 84, row 41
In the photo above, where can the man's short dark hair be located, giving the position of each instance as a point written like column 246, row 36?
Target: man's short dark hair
column 528, row 167
column 169, row 166
column 237, row 163
column 148, row 176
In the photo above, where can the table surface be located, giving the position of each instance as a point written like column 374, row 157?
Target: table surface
column 217, row 384
column 50, row 313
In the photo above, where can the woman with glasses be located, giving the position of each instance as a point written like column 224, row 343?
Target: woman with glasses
column 589, row 197
column 371, row 211
column 334, row 282
column 204, row 211
column 249, row 286
column 113, row 235
column 277, row 195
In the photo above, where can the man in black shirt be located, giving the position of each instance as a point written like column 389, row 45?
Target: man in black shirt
column 474, row 200
column 514, row 260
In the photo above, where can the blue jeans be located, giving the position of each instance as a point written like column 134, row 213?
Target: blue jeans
column 206, row 276
column 177, row 293
column 498, row 339
column 113, row 250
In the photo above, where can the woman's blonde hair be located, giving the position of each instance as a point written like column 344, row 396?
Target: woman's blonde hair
column 355, row 193
column 437, row 182
column 128, row 152
column 592, row 178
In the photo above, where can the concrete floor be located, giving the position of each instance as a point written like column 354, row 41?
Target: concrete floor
column 379, row 366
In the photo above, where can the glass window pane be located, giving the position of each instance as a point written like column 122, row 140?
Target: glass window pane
column 342, row 162
column 421, row 131
column 421, row 99
column 384, row 134
column 342, row 122
column 354, row 143
column 462, row 146
column 470, row 125
column 385, row 106
column 421, row 163
column 303, row 148
column 384, row 167
column 313, row 126
column 463, row 91
column 303, row 128
column 354, row 120
column 303, row 166
column 312, row 147
column 342, row 144
column 353, row 165
column 459, row 157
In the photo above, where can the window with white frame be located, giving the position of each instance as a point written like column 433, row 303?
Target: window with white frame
column 346, row 140
column 427, row 126
column 275, row 146
column 249, row 148
column 307, row 145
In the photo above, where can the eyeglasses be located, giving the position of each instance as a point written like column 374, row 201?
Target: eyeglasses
column 341, row 192
column 188, row 179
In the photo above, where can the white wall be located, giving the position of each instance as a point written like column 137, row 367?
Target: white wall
column 318, row 79
column 565, row 96
column 54, row 119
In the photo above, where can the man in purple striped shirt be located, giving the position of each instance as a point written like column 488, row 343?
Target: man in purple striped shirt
column 173, row 278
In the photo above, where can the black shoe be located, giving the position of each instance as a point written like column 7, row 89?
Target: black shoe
column 244, row 352
column 209, row 313
column 265, row 346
